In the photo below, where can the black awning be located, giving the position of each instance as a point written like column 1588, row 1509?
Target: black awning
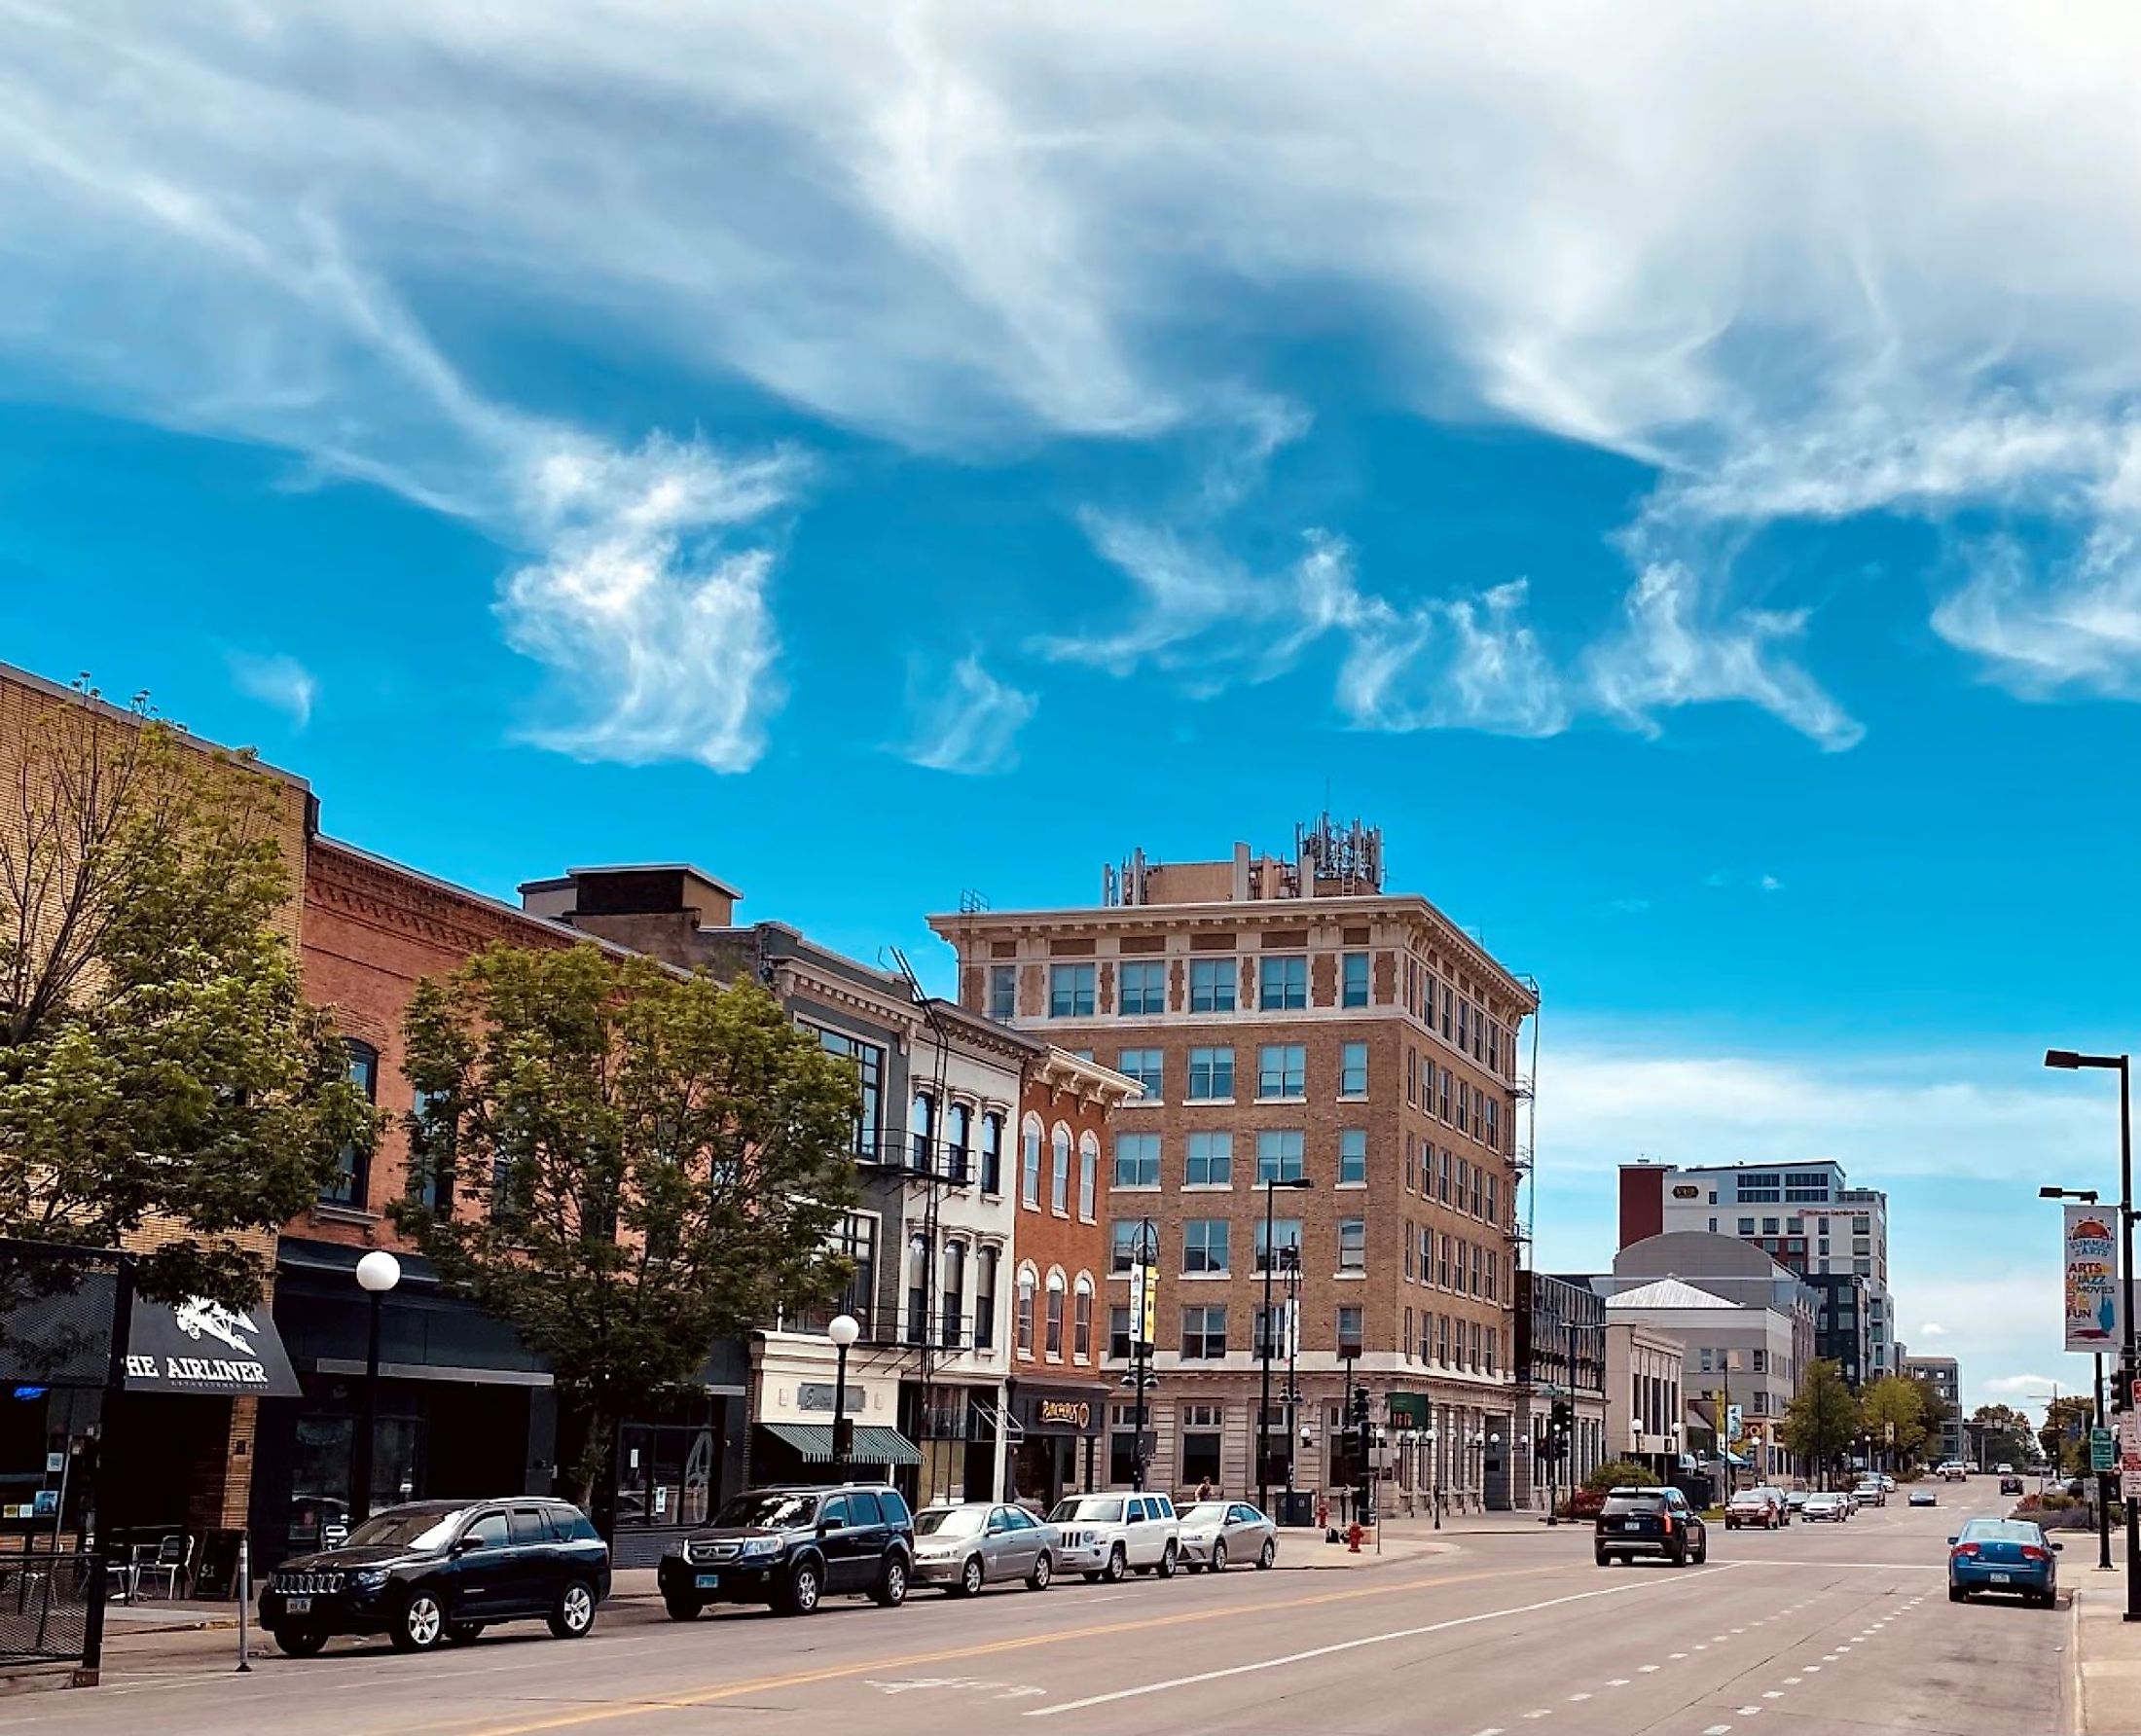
column 205, row 1348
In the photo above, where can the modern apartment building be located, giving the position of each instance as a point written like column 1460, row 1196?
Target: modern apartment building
column 1330, row 1060
column 1805, row 1214
column 1840, row 1322
column 1560, row 1358
column 1944, row 1375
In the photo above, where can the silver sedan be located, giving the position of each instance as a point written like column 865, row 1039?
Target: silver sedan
column 967, row 1547
column 1216, row 1533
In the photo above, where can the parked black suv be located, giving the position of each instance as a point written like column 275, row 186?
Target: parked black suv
column 790, row 1546
column 443, row 1569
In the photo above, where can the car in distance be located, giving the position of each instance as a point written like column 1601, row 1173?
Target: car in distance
column 435, row 1571
column 1753, row 1506
column 1217, row 1533
column 966, row 1546
column 1871, row 1493
column 791, row 1546
column 2002, row 1555
column 1651, row 1521
column 1923, row 1497
column 2004, row 1470
column 1796, row 1502
column 1105, row 1537
column 2011, row 1484
column 1826, row 1507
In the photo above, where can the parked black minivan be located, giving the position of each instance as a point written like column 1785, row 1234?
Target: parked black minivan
column 436, row 1571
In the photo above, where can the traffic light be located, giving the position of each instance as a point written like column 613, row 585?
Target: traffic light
column 1561, row 1424
column 1360, row 1413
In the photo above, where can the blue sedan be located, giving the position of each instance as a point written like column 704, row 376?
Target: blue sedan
column 2002, row 1555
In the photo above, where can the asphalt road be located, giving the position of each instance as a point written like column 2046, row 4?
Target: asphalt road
column 1816, row 1628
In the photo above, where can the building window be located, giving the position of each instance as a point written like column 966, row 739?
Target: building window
column 1353, row 1071
column 430, row 1178
column 1029, row 1164
column 1004, row 991
column 1768, row 1226
column 1201, row 1438
column 1071, row 991
column 1282, row 1070
column 1147, row 1067
column 1353, row 979
column 1286, row 1236
column 1449, row 1000
column 348, row 1183
column 1203, row 1333
column 1023, row 1341
column 954, row 1294
column 1282, row 983
column 1204, row 1245
column 869, row 1066
column 1212, row 984
column 1122, row 1243
column 957, row 1152
column 1353, row 1245
column 1144, row 987
column 1211, row 1160
column 1081, row 1320
column 1137, row 1160
column 1119, row 1333
column 992, row 1154
column 1211, row 1075
column 1089, row 1163
column 1053, row 1343
column 1059, row 1172
column 985, row 1300
column 1746, row 1226
column 1442, row 1177
column 1278, row 1155
column 1353, row 1155
column 1410, row 1266
column 1122, row 1449
column 1349, row 1325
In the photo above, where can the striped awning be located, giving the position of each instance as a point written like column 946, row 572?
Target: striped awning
column 814, row 1441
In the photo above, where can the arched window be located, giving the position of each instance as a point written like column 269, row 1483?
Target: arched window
column 348, row 1183
column 1054, row 1342
column 1030, row 1161
column 922, row 1128
column 992, row 1154
column 1059, row 1176
column 956, row 1120
column 1081, row 1341
column 1089, row 1166
column 1023, row 1339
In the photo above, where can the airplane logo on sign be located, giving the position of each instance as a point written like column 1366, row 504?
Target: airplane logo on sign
column 198, row 1318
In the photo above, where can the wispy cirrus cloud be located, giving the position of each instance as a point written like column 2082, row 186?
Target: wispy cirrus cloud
column 278, row 680
column 967, row 723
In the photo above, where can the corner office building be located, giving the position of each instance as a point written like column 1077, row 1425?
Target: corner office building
column 1288, row 1019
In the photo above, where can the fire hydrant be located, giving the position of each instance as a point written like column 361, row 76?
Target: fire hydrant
column 1323, row 1515
column 1353, row 1535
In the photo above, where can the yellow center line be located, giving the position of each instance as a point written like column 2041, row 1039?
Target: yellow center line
column 1056, row 1636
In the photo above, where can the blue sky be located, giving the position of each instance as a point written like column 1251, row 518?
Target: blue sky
column 1683, row 483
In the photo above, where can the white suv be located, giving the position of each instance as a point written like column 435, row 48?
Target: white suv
column 1104, row 1537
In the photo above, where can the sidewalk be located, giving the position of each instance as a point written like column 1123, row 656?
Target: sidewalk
column 2107, row 1659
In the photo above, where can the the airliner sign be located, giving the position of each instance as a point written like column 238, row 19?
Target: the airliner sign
column 197, row 1346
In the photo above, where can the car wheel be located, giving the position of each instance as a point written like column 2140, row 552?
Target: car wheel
column 800, row 1596
column 1702, row 1549
column 300, row 1642
column 1957, row 1595
column 1680, row 1556
column 462, row 1633
column 891, row 1585
column 574, row 1614
column 1118, row 1566
column 681, row 1609
column 1219, row 1555
column 1601, row 1558
column 969, row 1577
column 1043, row 1570
column 1268, row 1554
column 1169, row 1561
column 421, row 1623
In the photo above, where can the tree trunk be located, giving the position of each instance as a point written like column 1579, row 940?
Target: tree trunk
column 585, row 1428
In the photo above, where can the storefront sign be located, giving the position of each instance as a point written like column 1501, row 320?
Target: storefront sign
column 820, row 1396
column 199, row 1346
column 2091, row 1280
column 1078, row 1415
column 1686, row 1192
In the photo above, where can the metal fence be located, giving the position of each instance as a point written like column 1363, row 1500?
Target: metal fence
column 44, row 1603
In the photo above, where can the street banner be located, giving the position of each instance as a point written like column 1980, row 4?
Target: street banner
column 2091, row 1280
column 1144, row 1300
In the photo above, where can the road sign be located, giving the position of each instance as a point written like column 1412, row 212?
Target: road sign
column 2130, row 1432
column 2103, row 1450
column 2129, row 1483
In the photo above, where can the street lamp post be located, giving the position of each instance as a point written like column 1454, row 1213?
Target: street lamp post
column 2129, row 1365
column 2086, row 1196
column 843, row 1329
column 1145, row 1275
column 1435, row 1472
column 377, row 1273
column 1294, row 1378
column 1271, row 1185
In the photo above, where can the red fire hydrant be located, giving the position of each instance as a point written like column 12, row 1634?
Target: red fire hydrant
column 1353, row 1535
column 1323, row 1515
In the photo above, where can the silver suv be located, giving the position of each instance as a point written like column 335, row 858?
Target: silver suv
column 1104, row 1537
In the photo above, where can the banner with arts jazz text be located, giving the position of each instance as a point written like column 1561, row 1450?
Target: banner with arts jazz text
column 2091, row 1280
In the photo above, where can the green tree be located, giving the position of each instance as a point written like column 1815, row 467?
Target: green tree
column 636, row 1161
column 1892, row 1413
column 2065, row 1435
column 164, row 1085
column 2003, row 1432
column 1821, row 1419
column 1618, row 1473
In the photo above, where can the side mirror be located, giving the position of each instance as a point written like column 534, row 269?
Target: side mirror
column 827, row 1526
column 2058, row 1546
column 461, row 1545
column 1951, row 1542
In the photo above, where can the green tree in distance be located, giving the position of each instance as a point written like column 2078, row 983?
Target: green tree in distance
column 1821, row 1419
column 1616, row 1474
column 2005, row 1433
column 635, row 1164
column 2065, row 1434
column 1892, row 1413
column 164, row 1085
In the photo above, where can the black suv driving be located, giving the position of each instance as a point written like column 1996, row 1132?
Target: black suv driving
column 790, row 1547
column 1659, row 1522
column 443, row 1569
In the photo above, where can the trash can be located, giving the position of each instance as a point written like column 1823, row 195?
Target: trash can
column 1296, row 1506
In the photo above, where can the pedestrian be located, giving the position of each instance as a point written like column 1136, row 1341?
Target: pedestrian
column 1204, row 1488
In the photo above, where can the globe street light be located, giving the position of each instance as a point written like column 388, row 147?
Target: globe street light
column 843, row 1329
column 377, row 1273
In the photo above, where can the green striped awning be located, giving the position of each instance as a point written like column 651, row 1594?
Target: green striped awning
column 872, row 1446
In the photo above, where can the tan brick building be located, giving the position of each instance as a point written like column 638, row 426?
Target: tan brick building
column 1289, row 1019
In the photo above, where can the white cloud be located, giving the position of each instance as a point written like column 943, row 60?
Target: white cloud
column 968, row 724
column 276, row 680
column 1932, row 1329
column 1769, row 882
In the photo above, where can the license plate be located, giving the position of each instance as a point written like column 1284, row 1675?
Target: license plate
column 1631, row 1525
column 297, row 1605
column 2000, row 1579
column 708, row 1581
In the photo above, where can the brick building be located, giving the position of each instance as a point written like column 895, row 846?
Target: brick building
column 1290, row 1020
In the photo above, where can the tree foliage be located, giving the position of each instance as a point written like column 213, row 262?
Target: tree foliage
column 1617, row 1473
column 634, row 1165
column 2065, row 1434
column 1892, row 1413
column 162, row 1082
column 1821, row 1419
column 2006, row 1434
